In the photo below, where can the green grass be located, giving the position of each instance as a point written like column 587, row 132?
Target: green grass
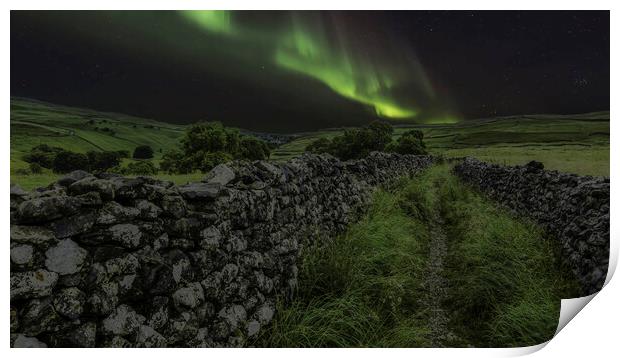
column 578, row 159
column 506, row 276
column 574, row 144
column 363, row 289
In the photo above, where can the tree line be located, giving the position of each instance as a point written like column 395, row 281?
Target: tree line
column 203, row 146
column 357, row 143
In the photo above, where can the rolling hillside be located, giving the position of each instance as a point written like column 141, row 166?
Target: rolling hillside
column 570, row 143
column 80, row 130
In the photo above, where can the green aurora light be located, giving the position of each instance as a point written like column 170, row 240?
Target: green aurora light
column 331, row 55
column 215, row 21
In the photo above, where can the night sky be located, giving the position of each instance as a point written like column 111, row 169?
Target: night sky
column 294, row 71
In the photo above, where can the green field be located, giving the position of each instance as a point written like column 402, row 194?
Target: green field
column 576, row 143
column 80, row 130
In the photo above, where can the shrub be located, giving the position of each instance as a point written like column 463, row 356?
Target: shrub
column 209, row 160
column 415, row 133
column 254, row 149
column 173, row 162
column 140, row 168
column 122, row 153
column 143, row 152
column 43, row 155
column 102, row 161
column 409, row 143
column 35, row 168
column 355, row 143
column 67, row 161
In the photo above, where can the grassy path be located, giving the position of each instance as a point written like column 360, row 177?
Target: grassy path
column 432, row 264
column 436, row 286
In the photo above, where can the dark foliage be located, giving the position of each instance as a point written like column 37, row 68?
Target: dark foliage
column 140, row 168
column 208, row 144
column 122, row 153
column 254, row 149
column 143, row 152
column 66, row 161
column 102, row 161
column 377, row 136
column 43, row 155
column 409, row 142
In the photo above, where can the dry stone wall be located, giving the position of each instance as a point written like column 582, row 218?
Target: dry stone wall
column 573, row 208
column 136, row 262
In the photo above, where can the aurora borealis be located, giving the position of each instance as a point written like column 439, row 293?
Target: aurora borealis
column 302, row 70
column 307, row 45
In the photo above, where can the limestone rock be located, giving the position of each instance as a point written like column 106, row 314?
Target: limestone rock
column 84, row 336
column 22, row 341
column 22, row 255
column 72, row 177
column 34, row 235
column 122, row 322
column 32, row 284
column 65, row 258
column 70, row 302
column 221, row 174
column 105, row 188
column 147, row 337
column 195, row 191
column 189, row 296
column 46, row 208
column 147, row 209
column 128, row 235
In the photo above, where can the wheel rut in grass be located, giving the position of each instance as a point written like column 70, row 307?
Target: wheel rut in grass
column 435, row 283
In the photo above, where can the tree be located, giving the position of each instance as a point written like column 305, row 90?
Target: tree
column 355, row 143
column 210, row 137
column 174, row 162
column 67, row 161
column 254, row 149
column 207, row 144
column 380, row 135
column 409, row 143
column 377, row 136
column 143, row 152
column 102, row 161
column 210, row 160
column 43, row 155
column 123, row 153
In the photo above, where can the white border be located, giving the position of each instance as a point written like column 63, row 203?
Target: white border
column 591, row 333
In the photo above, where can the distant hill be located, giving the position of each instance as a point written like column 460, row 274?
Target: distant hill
column 35, row 122
column 576, row 143
column 80, row 130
